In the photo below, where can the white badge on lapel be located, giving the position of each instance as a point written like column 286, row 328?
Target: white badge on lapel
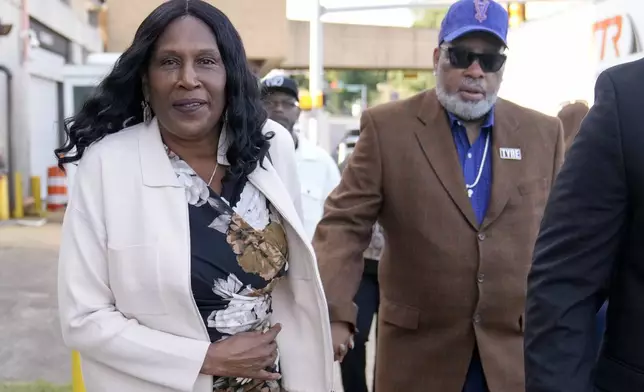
column 510, row 153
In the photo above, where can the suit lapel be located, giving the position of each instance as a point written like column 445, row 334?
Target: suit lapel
column 156, row 168
column 157, row 171
column 436, row 140
column 504, row 178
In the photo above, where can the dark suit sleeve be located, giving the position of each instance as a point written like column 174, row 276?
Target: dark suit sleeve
column 560, row 151
column 344, row 232
column 575, row 252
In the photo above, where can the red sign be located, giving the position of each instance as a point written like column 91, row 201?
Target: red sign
column 603, row 26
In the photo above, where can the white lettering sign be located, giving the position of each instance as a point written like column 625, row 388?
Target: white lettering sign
column 510, row 153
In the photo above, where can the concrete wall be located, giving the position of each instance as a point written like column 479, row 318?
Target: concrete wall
column 10, row 50
column 269, row 36
column 70, row 20
column 261, row 24
column 364, row 47
column 8, row 47
column 29, row 107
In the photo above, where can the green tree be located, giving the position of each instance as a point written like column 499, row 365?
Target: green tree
column 411, row 85
column 340, row 101
column 430, row 18
column 380, row 85
column 302, row 80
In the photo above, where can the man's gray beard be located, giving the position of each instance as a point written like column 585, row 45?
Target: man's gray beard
column 466, row 111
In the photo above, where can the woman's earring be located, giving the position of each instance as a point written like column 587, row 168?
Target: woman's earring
column 147, row 112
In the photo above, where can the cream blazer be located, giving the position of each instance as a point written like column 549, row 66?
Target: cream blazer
column 125, row 299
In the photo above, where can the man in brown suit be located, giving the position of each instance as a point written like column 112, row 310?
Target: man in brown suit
column 458, row 179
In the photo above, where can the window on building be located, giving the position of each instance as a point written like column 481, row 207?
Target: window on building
column 50, row 40
column 94, row 11
column 92, row 17
column 81, row 93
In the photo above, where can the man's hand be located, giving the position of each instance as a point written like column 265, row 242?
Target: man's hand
column 342, row 339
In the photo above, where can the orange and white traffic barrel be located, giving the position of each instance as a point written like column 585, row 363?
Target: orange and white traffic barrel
column 56, row 189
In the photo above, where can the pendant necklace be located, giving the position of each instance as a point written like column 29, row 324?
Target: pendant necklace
column 470, row 188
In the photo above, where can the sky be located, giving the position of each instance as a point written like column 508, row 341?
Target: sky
column 299, row 10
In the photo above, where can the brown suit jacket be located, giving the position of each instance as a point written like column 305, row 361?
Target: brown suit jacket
column 446, row 283
column 571, row 117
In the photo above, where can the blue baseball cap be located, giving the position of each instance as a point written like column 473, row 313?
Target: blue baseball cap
column 468, row 16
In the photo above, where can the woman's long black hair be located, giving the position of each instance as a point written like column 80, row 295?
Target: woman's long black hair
column 117, row 100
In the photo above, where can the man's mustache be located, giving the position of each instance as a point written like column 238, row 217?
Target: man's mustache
column 473, row 84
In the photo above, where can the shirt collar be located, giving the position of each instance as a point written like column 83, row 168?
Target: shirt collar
column 225, row 140
column 488, row 123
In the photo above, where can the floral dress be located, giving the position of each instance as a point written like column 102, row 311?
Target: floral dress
column 238, row 253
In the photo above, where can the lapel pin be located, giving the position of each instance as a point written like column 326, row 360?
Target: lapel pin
column 510, row 153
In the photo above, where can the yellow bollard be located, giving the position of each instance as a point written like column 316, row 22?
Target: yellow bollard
column 18, row 210
column 78, row 385
column 4, row 197
column 36, row 194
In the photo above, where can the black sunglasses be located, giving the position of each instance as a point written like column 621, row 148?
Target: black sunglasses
column 463, row 58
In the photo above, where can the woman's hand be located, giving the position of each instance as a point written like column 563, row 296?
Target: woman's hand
column 342, row 339
column 245, row 355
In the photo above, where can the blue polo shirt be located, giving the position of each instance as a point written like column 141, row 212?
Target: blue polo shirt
column 472, row 158
column 476, row 163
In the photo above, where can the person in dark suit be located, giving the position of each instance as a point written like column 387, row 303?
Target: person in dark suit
column 571, row 116
column 590, row 248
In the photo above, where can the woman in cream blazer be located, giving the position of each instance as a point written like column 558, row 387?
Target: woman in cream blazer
column 161, row 269
column 124, row 281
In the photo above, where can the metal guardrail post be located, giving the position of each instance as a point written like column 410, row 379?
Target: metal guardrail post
column 18, row 210
column 4, row 197
column 37, row 195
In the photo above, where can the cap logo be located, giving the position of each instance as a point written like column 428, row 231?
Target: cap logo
column 481, row 7
column 276, row 81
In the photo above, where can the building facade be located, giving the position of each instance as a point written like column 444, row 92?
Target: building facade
column 273, row 41
column 45, row 35
column 261, row 23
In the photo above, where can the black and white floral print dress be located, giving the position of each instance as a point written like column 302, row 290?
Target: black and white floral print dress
column 239, row 251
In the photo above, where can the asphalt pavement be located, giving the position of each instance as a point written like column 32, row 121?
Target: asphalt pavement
column 31, row 347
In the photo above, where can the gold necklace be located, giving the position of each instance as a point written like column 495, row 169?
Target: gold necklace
column 213, row 173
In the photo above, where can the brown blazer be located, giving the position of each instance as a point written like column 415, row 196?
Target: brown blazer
column 445, row 282
column 571, row 117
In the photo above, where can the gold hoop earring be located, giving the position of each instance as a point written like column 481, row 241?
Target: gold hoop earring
column 147, row 112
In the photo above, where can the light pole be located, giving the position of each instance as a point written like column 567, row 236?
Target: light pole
column 316, row 69
column 316, row 52
column 316, row 43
